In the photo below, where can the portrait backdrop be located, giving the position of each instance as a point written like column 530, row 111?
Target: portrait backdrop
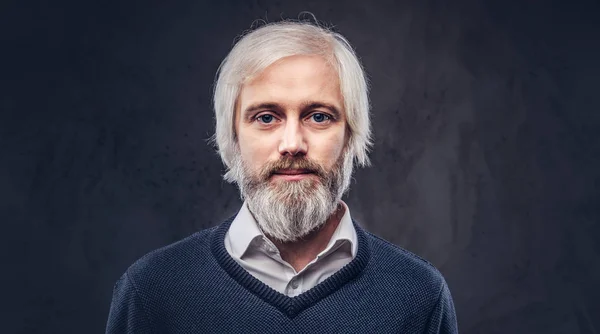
column 486, row 160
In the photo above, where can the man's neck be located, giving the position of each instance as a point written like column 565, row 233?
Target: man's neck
column 300, row 253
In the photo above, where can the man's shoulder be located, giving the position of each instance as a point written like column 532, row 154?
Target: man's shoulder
column 412, row 282
column 404, row 265
column 190, row 252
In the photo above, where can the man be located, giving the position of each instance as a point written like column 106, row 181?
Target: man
column 292, row 116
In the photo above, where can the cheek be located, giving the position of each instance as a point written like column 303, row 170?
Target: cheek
column 329, row 151
column 254, row 153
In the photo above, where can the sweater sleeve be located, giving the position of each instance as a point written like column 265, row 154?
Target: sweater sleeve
column 442, row 319
column 127, row 313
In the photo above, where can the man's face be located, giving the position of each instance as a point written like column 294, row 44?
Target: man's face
column 278, row 115
column 290, row 120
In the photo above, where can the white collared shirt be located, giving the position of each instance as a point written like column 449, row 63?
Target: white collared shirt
column 253, row 251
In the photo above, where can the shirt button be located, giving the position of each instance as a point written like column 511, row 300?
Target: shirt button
column 294, row 283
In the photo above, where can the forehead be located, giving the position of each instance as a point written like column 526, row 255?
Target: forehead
column 292, row 81
column 295, row 68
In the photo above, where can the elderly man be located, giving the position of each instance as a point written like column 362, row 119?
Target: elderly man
column 292, row 117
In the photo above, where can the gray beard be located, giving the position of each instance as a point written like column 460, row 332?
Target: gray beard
column 287, row 211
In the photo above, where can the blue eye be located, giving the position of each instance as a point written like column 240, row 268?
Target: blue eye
column 265, row 118
column 320, row 118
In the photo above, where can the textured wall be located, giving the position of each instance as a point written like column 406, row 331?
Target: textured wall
column 486, row 120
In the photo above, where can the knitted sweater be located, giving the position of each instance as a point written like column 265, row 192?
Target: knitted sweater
column 194, row 286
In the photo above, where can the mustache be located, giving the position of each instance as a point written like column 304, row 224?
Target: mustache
column 289, row 162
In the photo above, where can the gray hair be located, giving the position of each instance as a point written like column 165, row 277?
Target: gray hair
column 262, row 47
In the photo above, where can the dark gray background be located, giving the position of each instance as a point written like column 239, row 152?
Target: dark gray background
column 486, row 160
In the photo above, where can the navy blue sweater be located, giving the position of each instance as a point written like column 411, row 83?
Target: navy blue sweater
column 194, row 286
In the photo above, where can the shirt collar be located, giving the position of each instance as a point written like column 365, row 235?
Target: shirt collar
column 244, row 229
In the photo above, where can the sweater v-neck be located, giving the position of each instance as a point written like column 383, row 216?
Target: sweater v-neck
column 290, row 306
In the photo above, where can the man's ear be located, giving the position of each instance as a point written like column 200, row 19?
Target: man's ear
column 235, row 120
column 347, row 136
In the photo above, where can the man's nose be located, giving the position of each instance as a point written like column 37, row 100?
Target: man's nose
column 293, row 140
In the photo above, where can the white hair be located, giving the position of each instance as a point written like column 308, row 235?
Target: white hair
column 262, row 47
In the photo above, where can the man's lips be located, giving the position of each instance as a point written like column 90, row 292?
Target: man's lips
column 293, row 171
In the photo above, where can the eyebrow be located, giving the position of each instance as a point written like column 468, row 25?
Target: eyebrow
column 303, row 107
